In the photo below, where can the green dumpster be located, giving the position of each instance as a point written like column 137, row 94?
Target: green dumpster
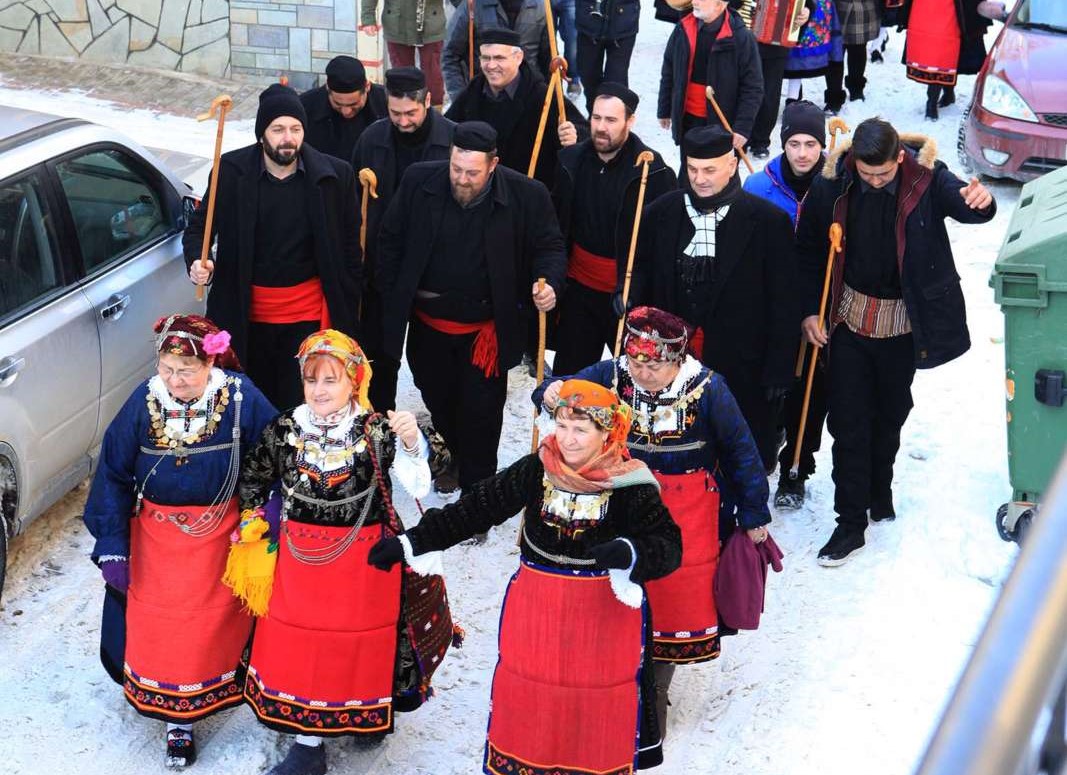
column 1030, row 284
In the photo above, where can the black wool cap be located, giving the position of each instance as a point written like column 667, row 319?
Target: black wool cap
column 345, row 75
column 474, row 136
column 404, row 79
column 276, row 101
column 614, row 89
column 707, row 142
column 500, row 35
column 804, row 118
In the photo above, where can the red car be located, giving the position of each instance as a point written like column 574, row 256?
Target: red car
column 1016, row 125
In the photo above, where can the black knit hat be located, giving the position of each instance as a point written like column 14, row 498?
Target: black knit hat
column 276, row 101
column 804, row 118
column 613, row 89
column 474, row 136
column 402, row 80
column 345, row 75
column 499, row 35
column 707, row 142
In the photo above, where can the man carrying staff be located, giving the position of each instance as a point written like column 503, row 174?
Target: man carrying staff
column 895, row 304
column 413, row 132
column 596, row 199
column 459, row 254
column 339, row 112
column 723, row 260
column 510, row 97
column 287, row 257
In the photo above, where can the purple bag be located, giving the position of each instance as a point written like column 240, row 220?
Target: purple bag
column 741, row 578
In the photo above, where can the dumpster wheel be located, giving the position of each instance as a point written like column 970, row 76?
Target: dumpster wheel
column 1016, row 532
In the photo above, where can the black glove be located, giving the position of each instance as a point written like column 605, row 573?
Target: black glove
column 613, row 554
column 386, row 553
column 617, row 305
column 775, row 394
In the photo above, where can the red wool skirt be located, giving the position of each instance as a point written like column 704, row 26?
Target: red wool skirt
column 185, row 631
column 932, row 48
column 324, row 655
column 684, row 620
column 565, row 692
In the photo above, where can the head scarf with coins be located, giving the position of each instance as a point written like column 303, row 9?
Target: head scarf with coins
column 655, row 335
column 194, row 336
column 612, row 467
column 344, row 348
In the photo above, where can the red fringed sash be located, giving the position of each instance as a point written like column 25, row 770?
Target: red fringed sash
column 565, row 691
column 684, row 619
column 484, row 349
column 185, row 631
column 295, row 304
column 592, row 271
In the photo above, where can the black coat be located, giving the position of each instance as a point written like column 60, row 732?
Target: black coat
column 661, row 179
column 333, row 213
column 319, row 130
column 927, row 193
column 515, row 139
column 377, row 149
column 734, row 71
column 751, row 327
column 613, row 20
column 522, row 243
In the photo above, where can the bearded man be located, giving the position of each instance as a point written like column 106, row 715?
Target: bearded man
column 287, row 259
column 599, row 178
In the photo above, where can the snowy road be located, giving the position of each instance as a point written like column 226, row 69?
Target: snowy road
column 847, row 674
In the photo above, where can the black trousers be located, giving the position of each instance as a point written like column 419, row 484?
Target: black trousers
column 869, row 387
column 384, row 368
column 856, row 56
column 467, row 407
column 794, row 403
column 773, row 72
column 271, row 360
column 586, row 324
column 603, row 60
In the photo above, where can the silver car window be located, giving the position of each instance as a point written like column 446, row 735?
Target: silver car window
column 114, row 205
column 27, row 245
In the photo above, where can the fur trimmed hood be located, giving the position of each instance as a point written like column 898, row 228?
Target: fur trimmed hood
column 925, row 148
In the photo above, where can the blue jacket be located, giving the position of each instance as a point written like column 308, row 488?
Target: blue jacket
column 769, row 185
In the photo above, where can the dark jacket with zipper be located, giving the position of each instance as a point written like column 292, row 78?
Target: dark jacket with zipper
column 333, row 213
column 661, row 179
column 734, row 71
column 522, row 243
column 605, row 20
column 927, row 193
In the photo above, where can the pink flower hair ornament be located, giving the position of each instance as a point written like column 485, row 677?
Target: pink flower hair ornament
column 216, row 344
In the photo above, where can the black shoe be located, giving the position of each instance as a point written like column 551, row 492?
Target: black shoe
column 883, row 512
column 845, row 542
column 447, row 482
column 876, row 56
column 302, row 760
column 931, row 110
column 790, row 493
column 181, row 749
column 760, row 152
column 369, row 741
column 835, row 100
column 855, row 88
column 948, row 96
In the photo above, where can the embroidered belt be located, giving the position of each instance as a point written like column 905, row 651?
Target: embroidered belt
column 871, row 316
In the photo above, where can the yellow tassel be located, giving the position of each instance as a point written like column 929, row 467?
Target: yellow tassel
column 250, row 566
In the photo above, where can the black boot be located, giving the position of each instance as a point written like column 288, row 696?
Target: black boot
column 948, row 96
column 845, row 541
column 932, row 93
column 855, row 86
column 790, row 493
column 302, row 760
column 835, row 100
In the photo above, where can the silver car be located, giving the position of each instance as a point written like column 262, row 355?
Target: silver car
column 90, row 257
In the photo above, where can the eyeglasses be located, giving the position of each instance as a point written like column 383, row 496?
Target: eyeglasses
column 499, row 59
column 166, row 372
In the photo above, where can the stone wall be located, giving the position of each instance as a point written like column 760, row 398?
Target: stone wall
column 183, row 35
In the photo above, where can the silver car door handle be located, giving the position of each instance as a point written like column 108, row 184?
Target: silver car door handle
column 9, row 369
column 116, row 305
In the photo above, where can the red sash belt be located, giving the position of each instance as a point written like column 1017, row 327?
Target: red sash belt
column 484, row 349
column 696, row 100
column 591, row 270
column 295, row 304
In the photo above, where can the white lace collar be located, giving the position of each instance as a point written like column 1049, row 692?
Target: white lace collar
column 214, row 383
column 303, row 416
column 690, row 368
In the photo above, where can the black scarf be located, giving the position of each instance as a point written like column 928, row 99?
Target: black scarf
column 800, row 183
column 728, row 195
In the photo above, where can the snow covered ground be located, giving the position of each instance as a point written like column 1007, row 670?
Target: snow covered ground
column 847, row 674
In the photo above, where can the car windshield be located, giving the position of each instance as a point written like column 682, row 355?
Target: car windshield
column 1050, row 15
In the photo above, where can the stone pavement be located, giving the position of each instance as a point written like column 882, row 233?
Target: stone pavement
column 180, row 94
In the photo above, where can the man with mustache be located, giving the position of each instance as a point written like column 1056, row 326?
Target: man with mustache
column 459, row 253
column 287, row 260
column 596, row 191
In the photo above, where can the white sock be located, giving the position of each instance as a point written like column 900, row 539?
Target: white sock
column 793, row 91
column 184, row 727
column 309, row 740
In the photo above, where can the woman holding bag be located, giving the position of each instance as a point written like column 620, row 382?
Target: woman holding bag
column 335, row 653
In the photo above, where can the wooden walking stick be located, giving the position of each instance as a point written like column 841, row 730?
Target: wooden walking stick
column 710, row 92
column 558, row 66
column 542, row 327
column 835, row 248
column 369, row 181
column 220, row 105
column 470, row 40
column 550, row 23
column 837, row 124
column 644, row 158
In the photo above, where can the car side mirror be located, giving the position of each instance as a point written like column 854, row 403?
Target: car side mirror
column 189, row 205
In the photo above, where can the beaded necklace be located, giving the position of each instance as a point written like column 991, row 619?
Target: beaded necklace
column 165, row 435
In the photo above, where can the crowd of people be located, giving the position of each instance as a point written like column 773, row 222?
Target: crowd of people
column 246, row 501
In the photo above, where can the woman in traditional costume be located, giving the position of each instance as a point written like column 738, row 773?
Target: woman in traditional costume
column 333, row 654
column 572, row 692
column 162, row 508
column 688, row 430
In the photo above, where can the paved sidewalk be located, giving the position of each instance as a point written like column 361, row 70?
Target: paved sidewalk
column 180, row 94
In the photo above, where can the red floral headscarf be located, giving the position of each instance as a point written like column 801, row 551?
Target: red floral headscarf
column 345, row 349
column 196, row 337
column 655, row 335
